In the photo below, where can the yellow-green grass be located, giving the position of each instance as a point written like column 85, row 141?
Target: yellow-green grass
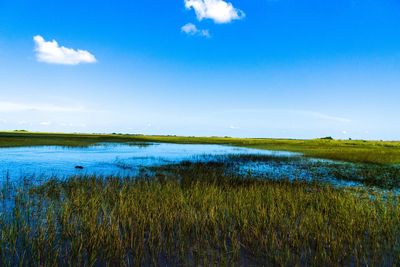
column 380, row 152
column 199, row 218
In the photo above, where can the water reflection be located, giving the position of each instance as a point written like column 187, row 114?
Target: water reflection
column 120, row 159
column 106, row 159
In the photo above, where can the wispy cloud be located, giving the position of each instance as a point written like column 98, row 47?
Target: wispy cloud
column 191, row 29
column 25, row 123
column 64, row 124
column 308, row 113
column 219, row 11
column 51, row 52
column 6, row 106
column 325, row 116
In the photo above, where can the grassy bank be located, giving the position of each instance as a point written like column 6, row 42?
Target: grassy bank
column 197, row 215
column 379, row 152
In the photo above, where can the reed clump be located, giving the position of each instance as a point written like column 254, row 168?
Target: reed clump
column 197, row 214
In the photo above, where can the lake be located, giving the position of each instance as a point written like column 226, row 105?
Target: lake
column 126, row 159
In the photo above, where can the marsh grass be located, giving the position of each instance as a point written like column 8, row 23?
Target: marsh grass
column 384, row 176
column 194, row 214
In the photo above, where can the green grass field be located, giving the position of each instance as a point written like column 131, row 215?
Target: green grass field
column 379, row 152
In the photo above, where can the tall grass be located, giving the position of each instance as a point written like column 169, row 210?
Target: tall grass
column 197, row 214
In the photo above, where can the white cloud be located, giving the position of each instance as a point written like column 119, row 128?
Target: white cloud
column 191, row 29
column 64, row 124
column 51, row 52
column 234, row 127
column 293, row 112
column 217, row 10
column 326, row 117
column 19, row 107
column 45, row 123
column 24, row 123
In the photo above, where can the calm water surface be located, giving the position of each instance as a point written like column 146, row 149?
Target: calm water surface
column 121, row 159
column 107, row 158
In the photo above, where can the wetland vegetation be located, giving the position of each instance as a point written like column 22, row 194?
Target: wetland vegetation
column 211, row 211
column 192, row 214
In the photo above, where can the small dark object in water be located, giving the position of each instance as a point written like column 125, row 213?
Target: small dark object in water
column 79, row 167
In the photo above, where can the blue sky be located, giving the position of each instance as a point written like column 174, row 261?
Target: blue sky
column 261, row 68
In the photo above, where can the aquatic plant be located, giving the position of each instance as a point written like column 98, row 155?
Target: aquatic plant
column 197, row 214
